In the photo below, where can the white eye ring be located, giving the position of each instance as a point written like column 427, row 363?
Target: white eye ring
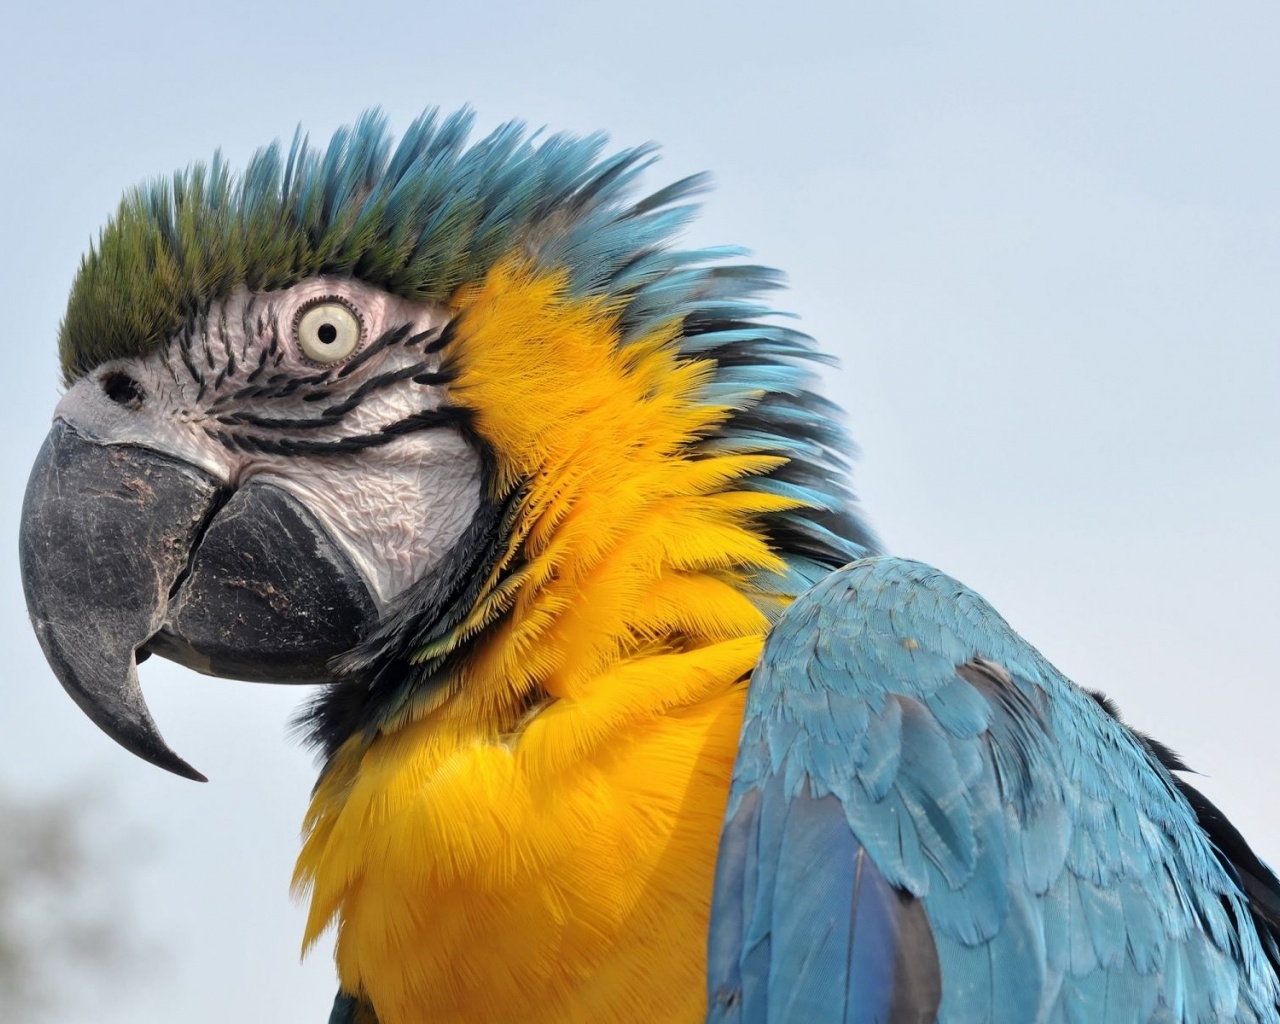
column 327, row 331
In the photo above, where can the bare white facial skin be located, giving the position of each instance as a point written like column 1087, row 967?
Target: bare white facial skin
column 219, row 396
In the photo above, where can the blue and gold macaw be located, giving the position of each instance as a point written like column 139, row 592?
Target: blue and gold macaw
column 623, row 716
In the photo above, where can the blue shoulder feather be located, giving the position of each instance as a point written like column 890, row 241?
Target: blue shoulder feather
column 928, row 821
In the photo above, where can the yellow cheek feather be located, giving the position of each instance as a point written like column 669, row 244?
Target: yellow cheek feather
column 538, row 843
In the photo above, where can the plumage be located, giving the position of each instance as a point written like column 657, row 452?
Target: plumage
column 1061, row 870
column 533, row 532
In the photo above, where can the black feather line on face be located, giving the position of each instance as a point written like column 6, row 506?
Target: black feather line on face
column 438, row 343
column 383, row 380
column 385, row 340
column 257, row 370
column 422, row 336
column 224, row 336
column 419, row 373
column 428, row 419
column 246, row 326
column 184, row 349
column 273, row 347
column 228, row 370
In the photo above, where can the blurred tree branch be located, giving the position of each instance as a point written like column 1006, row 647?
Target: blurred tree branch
column 64, row 928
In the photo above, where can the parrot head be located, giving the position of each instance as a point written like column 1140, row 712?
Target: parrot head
column 341, row 417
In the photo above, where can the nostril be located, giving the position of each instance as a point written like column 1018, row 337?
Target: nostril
column 123, row 389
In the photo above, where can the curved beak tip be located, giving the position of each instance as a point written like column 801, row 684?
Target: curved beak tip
column 130, row 724
column 161, row 755
column 108, row 691
column 180, row 767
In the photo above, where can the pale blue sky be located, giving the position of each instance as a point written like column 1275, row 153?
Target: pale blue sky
column 1045, row 244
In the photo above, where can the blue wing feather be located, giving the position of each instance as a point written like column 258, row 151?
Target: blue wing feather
column 808, row 886
column 928, row 821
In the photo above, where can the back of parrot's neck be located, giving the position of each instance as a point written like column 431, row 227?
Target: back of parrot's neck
column 540, row 845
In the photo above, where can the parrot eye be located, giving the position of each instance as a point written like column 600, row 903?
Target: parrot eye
column 327, row 331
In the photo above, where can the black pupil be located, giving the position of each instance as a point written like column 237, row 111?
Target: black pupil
column 327, row 334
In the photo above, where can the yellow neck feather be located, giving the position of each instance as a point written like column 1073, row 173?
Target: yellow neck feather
column 489, row 862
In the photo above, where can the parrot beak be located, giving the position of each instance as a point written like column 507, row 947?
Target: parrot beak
column 107, row 531
column 127, row 551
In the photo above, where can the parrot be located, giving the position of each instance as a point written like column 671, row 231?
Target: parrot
column 622, row 712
